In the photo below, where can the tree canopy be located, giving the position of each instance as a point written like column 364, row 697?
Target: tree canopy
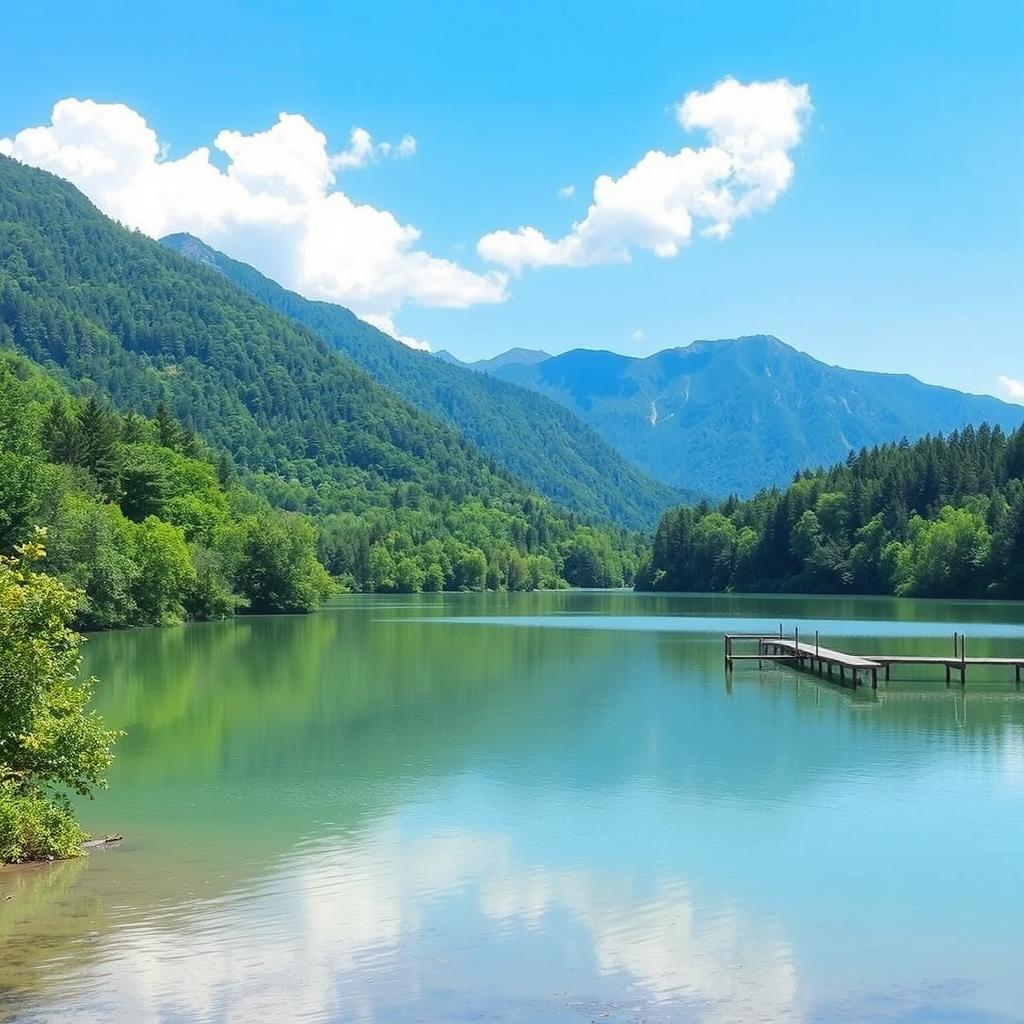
column 943, row 517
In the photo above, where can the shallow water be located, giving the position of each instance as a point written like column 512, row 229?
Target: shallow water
column 533, row 808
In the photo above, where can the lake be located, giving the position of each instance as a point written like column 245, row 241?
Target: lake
column 539, row 807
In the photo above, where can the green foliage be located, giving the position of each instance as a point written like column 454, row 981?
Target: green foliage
column 274, row 565
column 36, row 827
column 941, row 518
column 168, row 548
column 49, row 740
column 591, row 561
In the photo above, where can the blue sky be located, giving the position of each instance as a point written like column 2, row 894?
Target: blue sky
column 897, row 244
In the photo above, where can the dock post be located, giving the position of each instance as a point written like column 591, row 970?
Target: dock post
column 956, row 645
column 874, row 679
column 1016, row 674
column 947, row 674
column 887, row 667
column 963, row 661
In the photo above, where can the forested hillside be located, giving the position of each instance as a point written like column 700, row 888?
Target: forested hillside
column 940, row 518
column 136, row 515
column 734, row 416
column 535, row 438
column 402, row 502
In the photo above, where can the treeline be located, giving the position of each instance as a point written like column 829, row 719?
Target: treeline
column 153, row 527
column 943, row 517
column 473, row 547
column 140, row 517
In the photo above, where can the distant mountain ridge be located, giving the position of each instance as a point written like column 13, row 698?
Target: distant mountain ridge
column 513, row 357
column 736, row 415
column 528, row 434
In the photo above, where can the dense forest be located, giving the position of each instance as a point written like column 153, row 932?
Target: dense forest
column 137, row 515
column 538, row 440
column 400, row 501
column 943, row 517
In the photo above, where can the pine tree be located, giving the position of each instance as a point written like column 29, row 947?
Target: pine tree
column 168, row 432
column 101, row 453
column 62, row 434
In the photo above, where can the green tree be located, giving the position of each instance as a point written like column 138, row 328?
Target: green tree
column 409, row 576
column 49, row 740
column 946, row 557
column 100, row 443
column 167, row 430
column 165, row 574
column 590, row 561
column 275, row 565
column 470, row 570
column 383, row 572
column 62, row 433
column 433, row 578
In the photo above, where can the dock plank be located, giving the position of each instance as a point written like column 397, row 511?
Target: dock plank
column 820, row 653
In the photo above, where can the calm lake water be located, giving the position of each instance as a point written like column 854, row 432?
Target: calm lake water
column 535, row 808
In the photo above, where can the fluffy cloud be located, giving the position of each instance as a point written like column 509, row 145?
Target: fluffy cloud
column 362, row 150
column 656, row 203
column 1012, row 388
column 275, row 204
column 567, row 192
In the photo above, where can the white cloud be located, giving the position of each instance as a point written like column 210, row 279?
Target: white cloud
column 638, row 335
column 276, row 205
column 655, row 204
column 385, row 323
column 567, row 192
column 1012, row 388
column 362, row 150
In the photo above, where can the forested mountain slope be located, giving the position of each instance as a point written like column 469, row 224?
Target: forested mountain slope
column 734, row 416
column 138, row 516
column 940, row 518
column 532, row 436
column 401, row 498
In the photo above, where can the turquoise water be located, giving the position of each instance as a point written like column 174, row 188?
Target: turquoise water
column 551, row 807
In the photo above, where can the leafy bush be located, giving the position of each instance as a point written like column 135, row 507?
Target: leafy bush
column 34, row 826
column 49, row 740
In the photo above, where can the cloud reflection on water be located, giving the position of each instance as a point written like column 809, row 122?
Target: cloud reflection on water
column 363, row 931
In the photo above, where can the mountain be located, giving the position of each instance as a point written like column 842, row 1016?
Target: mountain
column 403, row 501
column 513, row 357
column 533, row 437
column 444, row 355
column 735, row 416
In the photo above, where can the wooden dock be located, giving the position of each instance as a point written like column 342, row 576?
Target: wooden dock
column 815, row 657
